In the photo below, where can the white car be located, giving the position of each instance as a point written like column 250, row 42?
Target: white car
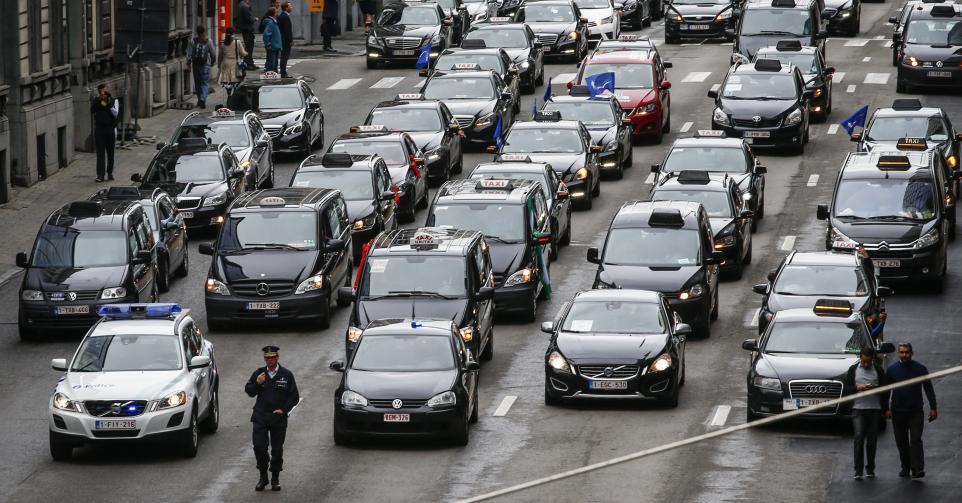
column 604, row 21
column 143, row 371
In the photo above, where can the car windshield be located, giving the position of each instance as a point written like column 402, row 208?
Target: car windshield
column 355, row 185
column 505, row 222
column 279, row 98
column 806, row 63
column 185, row 169
column 716, row 203
column 614, row 317
column 508, row 38
column 427, row 274
column 460, row 88
column 543, row 140
column 403, row 353
column 828, row 280
column 588, row 112
column 911, row 199
column 67, row 248
column 270, row 230
column 125, row 353
column 627, row 75
column 712, row 159
column 535, row 13
column 406, row 119
column 701, row 2
column 479, row 173
column 777, row 21
column 760, row 87
column 593, row 4
column 390, row 151
column 893, row 128
column 652, row 247
column 234, row 135
column 939, row 32
column 484, row 61
column 410, row 16
column 826, row 338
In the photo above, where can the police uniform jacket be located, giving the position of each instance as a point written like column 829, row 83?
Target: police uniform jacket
column 279, row 392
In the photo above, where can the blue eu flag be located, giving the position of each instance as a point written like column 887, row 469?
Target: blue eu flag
column 498, row 141
column 600, row 82
column 424, row 60
column 534, row 108
column 855, row 120
column 547, row 91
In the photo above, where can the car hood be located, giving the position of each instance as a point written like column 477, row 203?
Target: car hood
column 145, row 385
column 506, row 257
column 191, row 189
column 280, row 117
column 891, row 232
column 750, row 44
column 719, row 223
column 778, row 302
column 660, row 279
column 595, row 15
column 561, row 163
column 421, row 308
column 951, row 56
column 359, row 208
column 398, row 30
column 266, row 264
column 707, row 9
column 518, row 55
column 559, row 29
column 427, row 140
column 601, row 135
column 404, row 385
column 59, row 279
column 746, row 109
column 792, row 367
column 610, row 348
column 470, row 107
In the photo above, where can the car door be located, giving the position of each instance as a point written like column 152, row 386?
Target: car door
column 482, row 276
column 624, row 130
column 469, row 379
column 336, row 264
column 176, row 239
column 263, row 155
column 139, row 239
column 420, row 182
column 382, row 183
column 452, row 137
column 542, row 219
column 664, row 95
column 193, row 347
column 744, row 224
column 591, row 159
column 561, row 205
column 313, row 112
column 708, row 246
column 505, row 99
column 536, row 50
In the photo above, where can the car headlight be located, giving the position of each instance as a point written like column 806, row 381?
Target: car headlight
column 295, row 129
column 678, row 18
column 434, row 155
column 520, row 277
column 840, row 240
column 467, row 334
column 436, row 39
column 524, row 65
column 214, row 286
column 928, row 239
column 611, row 146
column 215, row 200
column 365, row 223
column 646, row 109
column 724, row 15
column 691, row 293
column 353, row 334
column 31, row 295
column 372, row 40
column 117, row 292
column 607, row 20
column 794, row 117
column 573, row 35
column 484, row 120
column 724, row 242
column 661, row 364
column 764, row 382
column 582, row 173
column 315, row 282
column 173, row 400
column 446, row 399
column 558, row 362
column 911, row 61
column 63, row 402
column 720, row 117
column 352, row 399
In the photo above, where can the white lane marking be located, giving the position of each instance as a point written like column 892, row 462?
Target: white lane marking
column 685, row 127
column 788, row 243
column 420, row 82
column 506, row 404
column 727, row 43
column 837, row 77
column 720, row 415
column 387, row 82
column 699, row 43
column 856, row 42
column 833, row 129
column 887, row 44
column 651, row 179
column 876, row 78
column 696, row 77
column 866, row 59
column 562, row 78
column 751, row 318
column 850, row 88
column 343, row 84
column 715, row 87
column 812, row 181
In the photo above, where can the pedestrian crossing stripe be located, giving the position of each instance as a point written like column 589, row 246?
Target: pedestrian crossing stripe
column 696, row 77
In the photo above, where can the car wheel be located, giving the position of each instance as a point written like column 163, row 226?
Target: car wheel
column 540, row 80
column 459, row 167
column 667, row 126
column 347, row 282
column 714, row 313
column 595, row 192
column 210, row 423
column 684, row 367
column 474, row 413
column 488, row 352
column 672, row 401
column 738, row 269
column 324, row 322
column 189, row 438
column 749, row 415
column 371, row 64
column 163, row 275
column 184, row 268
column 587, row 202
column 748, row 255
column 659, row 136
column 460, row 436
column 307, row 142
column 672, row 40
column 630, row 159
column 566, row 238
column 531, row 311
column 60, row 450
column 760, row 211
column 646, row 22
column 423, row 203
column 154, row 296
column 553, row 253
column 27, row 334
column 550, row 399
column 341, row 438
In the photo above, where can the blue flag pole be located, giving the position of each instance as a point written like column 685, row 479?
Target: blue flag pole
column 497, row 134
column 547, row 91
column 534, row 107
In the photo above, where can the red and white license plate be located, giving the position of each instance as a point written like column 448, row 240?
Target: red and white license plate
column 887, row 263
column 397, row 418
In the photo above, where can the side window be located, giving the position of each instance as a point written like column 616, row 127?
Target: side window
column 385, row 178
column 410, row 146
column 541, row 209
column 478, row 257
column 132, row 244
column 472, row 276
column 144, row 238
column 341, row 208
column 166, row 208
column 189, row 339
column 462, row 350
column 333, row 221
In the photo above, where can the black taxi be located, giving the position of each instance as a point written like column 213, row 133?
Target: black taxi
column 559, row 25
column 604, row 118
column 762, row 23
column 479, row 101
column 809, row 61
column 907, row 118
column 519, row 43
column 928, row 52
column 288, row 108
column 403, row 30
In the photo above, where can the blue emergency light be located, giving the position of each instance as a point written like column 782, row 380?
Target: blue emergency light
column 415, row 324
column 130, row 311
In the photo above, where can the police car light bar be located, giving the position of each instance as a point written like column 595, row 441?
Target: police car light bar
column 409, row 97
column 495, row 184
column 833, row 307
column 768, row 65
column 893, row 163
column 547, row 116
column 709, row 133
column 912, row 144
column 132, row 311
column 907, row 104
column 270, row 76
column 688, row 176
column 466, row 67
column 473, row 43
column 514, row 158
column 666, row 217
column 788, row 45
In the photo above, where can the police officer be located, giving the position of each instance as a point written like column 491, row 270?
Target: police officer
column 276, row 394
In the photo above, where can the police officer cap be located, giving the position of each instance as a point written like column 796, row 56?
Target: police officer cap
column 270, row 351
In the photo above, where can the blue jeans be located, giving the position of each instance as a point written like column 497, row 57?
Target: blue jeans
column 273, row 55
column 201, row 81
column 865, row 424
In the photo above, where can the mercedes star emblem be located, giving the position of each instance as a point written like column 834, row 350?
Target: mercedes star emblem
column 757, row 118
column 397, row 403
column 263, row 289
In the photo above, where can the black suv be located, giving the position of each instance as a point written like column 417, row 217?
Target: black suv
column 928, row 52
column 288, row 108
column 478, row 60
column 87, row 254
column 667, row 247
column 604, row 119
column 427, row 273
column 809, row 61
column 281, row 256
column 514, row 218
column 403, row 30
column 699, row 19
column 763, row 23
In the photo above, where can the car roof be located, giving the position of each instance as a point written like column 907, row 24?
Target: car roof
column 921, row 112
column 370, row 135
column 771, row 49
column 550, row 2
column 147, row 326
column 617, row 294
column 129, row 193
column 823, row 258
column 470, row 190
column 749, row 68
column 448, row 241
column 479, row 74
column 420, row 104
column 338, row 161
column 640, row 56
column 498, row 26
column 93, row 215
column 865, row 164
column 512, row 166
column 257, row 82
column 924, row 11
column 800, row 315
column 293, row 198
column 637, row 213
column 562, row 98
column 399, row 326
column 771, row 4
column 486, row 50
column 713, row 184
column 198, row 119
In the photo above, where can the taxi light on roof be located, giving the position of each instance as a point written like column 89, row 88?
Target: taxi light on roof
column 709, row 133
column 369, row 128
column 893, row 163
column 693, row 177
column 788, row 45
column 408, row 96
column 547, row 116
column 84, row 209
column 631, row 38
column 783, row 3
column 912, row 144
column 943, row 11
column 833, row 307
column 493, row 183
column 130, row 311
column 337, row 159
column 424, row 241
column 666, row 217
column 270, row 76
column 473, row 43
column 223, row 112
column 515, row 158
column 579, row 91
column 768, row 65
column 907, row 104
column 471, row 67
column 499, row 19
column 273, row 201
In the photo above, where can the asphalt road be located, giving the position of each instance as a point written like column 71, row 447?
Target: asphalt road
column 795, row 462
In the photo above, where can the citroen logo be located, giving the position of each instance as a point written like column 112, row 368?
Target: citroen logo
column 757, row 118
column 883, row 246
column 938, row 64
column 816, row 389
column 71, row 296
column 397, row 403
column 263, row 289
column 609, row 371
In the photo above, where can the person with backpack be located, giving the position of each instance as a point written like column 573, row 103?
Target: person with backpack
column 201, row 55
column 273, row 42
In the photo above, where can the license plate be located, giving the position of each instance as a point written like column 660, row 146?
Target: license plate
column 887, row 263
column 187, row 214
column 608, row 385
column 71, row 310
column 799, row 403
column 397, row 418
column 404, row 52
column 546, row 49
column 112, row 424
column 263, row 306
column 935, row 73
column 758, row 134
column 696, row 27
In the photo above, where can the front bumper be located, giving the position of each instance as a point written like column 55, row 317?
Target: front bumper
column 609, row 161
column 304, row 307
column 768, row 402
column 646, row 123
column 784, row 136
column 578, row 189
column 643, row 385
column 424, row 421
column 909, row 264
column 562, row 48
column 732, row 254
column 696, row 29
column 951, row 76
column 205, row 217
column 40, row 315
column 292, row 143
column 516, row 298
column 483, row 135
column 387, row 55
column 80, row 428
column 842, row 24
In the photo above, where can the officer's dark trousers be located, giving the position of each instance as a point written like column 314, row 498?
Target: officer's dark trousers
column 249, row 47
column 271, row 432
column 285, row 55
column 104, row 140
column 865, row 429
column 907, row 426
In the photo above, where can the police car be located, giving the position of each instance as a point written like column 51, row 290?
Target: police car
column 519, row 42
column 763, row 23
column 559, row 25
column 605, row 121
column 928, row 50
column 403, row 30
column 907, row 118
column 698, row 19
column 809, row 61
column 479, row 100
column 143, row 372
column 565, row 145
column 288, row 108
column 802, row 358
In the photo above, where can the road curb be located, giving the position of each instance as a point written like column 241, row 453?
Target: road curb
column 8, row 275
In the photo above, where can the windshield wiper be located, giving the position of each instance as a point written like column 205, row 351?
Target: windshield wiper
column 776, row 32
column 853, row 217
column 502, row 240
column 265, row 246
column 411, row 293
column 898, row 218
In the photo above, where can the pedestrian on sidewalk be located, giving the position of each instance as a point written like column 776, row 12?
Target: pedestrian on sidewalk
column 866, row 412
column 907, row 413
column 276, row 5
column 245, row 26
column 105, row 111
column 287, row 35
column 229, row 59
column 201, row 54
column 276, row 393
column 329, row 24
column 272, row 40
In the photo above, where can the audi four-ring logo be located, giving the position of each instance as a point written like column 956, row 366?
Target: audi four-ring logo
column 816, row 388
column 397, row 403
column 263, row 289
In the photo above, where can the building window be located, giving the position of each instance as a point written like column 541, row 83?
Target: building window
column 35, row 35
column 106, row 26
column 58, row 33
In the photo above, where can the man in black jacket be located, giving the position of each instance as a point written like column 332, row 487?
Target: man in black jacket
column 866, row 412
column 105, row 111
column 287, row 35
column 907, row 413
column 276, row 393
column 245, row 25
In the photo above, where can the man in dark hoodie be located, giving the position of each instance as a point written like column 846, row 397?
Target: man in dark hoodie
column 907, row 413
column 867, row 411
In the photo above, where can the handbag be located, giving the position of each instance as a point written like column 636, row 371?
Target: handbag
column 241, row 65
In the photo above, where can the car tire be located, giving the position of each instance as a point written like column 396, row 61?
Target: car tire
column 371, row 64
column 60, row 450
column 553, row 251
column 269, row 183
column 163, row 275
column 210, row 423
column 488, row 352
column 423, row 203
column 308, row 144
column 666, row 127
column 324, row 322
column 549, row 399
column 540, row 80
column 736, row 272
column 190, row 437
column 714, row 313
column 184, row 268
column 459, row 167
column 154, row 295
column 595, row 192
column 474, row 413
column 347, row 282
column 530, row 313
column 566, row 238
column 460, row 437
column 659, row 136
column 646, row 22
column 684, row 367
column 670, row 40
column 587, row 202
column 749, row 415
column 672, row 401
column 341, row 438
column 748, row 256
column 630, row 160
column 26, row 334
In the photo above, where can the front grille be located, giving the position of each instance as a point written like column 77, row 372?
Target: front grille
column 249, row 287
column 464, row 122
column 116, row 433
column 115, row 408
column 890, row 249
column 403, row 42
column 749, row 123
column 274, row 131
column 616, row 372
column 187, row 203
column 388, row 404
column 815, row 389
column 547, row 38
column 80, row 295
column 699, row 18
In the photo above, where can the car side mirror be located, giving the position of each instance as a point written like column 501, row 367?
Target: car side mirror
column 655, row 168
column 206, row 248
column 716, row 257
column 886, row 347
column 746, row 214
column 346, row 293
column 58, row 364
column 491, row 149
column 237, row 173
column 593, row 255
column 538, row 45
column 856, row 136
column 484, row 293
column 387, row 195
column 894, row 20
column 171, row 225
column 667, row 64
column 454, row 126
column 142, row 257
column 760, row 170
column 761, row 288
column 750, row 345
column 712, row 94
column 199, row 362
column 595, row 149
column 682, row 329
column 664, row 86
column 161, row 145
column 314, row 105
column 337, row 366
column 822, row 35
column 884, row 291
column 626, row 121
column 829, row 70
column 958, row 136
column 22, row 260
column 582, row 19
column 423, row 73
column 821, row 212
column 137, row 178
column 547, row 327
column 334, row 245
column 262, row 143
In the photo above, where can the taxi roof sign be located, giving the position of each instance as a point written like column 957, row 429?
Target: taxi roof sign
column 631, row 38
column 499, row 19
column 409, row 96
column 369, row 128
column 494, row 183
column 666, row 217
column 709, row 133
column 337, row 159
column 515, row 157
column 907, row 104
column 223, row 112
column 689, row 176
column 270, row 75
column 783, row 3
column 833, row 307
column 424, row 241
column 471, row 67
column 473, row 43
column 273, row 201
column 943, row 11
column 912, row 144
column 768, row 65
column 788, row 45
column 547, row 116
column 893, row 163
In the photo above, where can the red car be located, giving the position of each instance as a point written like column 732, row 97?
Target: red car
column 641, row 86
